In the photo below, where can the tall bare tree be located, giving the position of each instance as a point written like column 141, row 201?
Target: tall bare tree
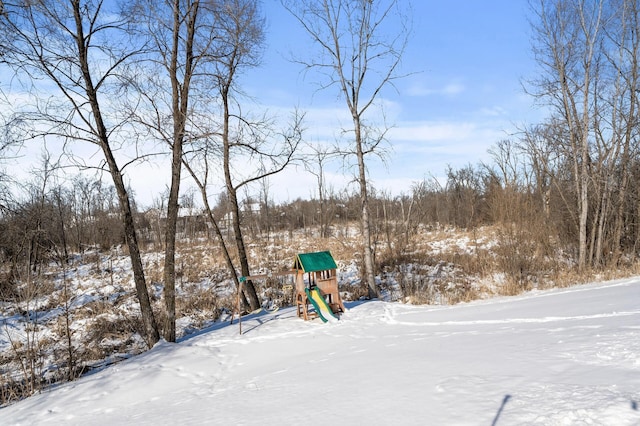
column 360, row 56
column 243, row 139
column 75, row 49
column 181, row 35
column 567, row 39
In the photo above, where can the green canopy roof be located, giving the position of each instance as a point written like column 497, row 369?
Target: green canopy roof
column 312, row 262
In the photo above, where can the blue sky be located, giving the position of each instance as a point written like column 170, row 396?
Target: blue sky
column 467, row 60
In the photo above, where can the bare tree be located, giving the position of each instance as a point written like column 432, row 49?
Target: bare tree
column 316, row 165
column 361, row 59
column 76, row 49
column 201, row 178
column 243, row 139
column 181, row 36
column 179, row 63
column 567, row 39
column 542, row 157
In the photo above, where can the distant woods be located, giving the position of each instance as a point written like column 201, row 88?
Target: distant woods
column 527, row 189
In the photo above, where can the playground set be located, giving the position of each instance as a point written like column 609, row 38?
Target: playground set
column 320, row 288
column 316, row 284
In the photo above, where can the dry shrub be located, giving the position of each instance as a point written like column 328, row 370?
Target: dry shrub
column 526, row 255
column 11, row 389
column 190, row 270
column 97, row 307
column 123, row 249
column 195, row 261
column 461, row 291
column 512, row 287
column 8, row 288
column 478, row 263
column 154, row 271
column 449, row 289
column 38, row 287
column 277, row 290
column 612, row 273
column 93, row 256
column 425, row 279
column 198, row 301
column 110, row 333
column 355, row 292
column 15, row 388
column 415, row 289
column 25, row 363
column 201, row 306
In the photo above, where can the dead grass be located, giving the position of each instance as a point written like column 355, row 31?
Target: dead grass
column 110, row 333
column 450, row 263
column 200, row 303
column 8, row 286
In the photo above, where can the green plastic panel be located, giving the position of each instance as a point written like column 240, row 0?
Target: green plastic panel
column 312, row 262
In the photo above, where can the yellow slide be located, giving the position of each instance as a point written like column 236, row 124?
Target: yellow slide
column 322, row 308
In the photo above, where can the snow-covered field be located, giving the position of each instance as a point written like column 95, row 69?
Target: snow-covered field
column 558, row 357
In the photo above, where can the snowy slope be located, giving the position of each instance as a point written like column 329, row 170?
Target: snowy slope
column 561, row 357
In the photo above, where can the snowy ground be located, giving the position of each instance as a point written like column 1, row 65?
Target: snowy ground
column 559, row 357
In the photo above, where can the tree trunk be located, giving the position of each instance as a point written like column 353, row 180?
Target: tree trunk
column 180, row 102
column 148, row 319
column 170, row 245
column 223, row 245
column 369, row 268
column 248, row 287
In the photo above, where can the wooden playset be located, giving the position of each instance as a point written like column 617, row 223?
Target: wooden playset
column 316, row 283
column 320, row 269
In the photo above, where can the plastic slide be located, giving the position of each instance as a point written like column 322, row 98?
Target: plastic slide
column 321, row 306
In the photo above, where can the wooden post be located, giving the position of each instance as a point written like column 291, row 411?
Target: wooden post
column 240, row 284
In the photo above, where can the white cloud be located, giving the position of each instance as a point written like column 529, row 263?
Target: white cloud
column 432, row 131
column 495, row 111
column 452, row 89
column 449, row 89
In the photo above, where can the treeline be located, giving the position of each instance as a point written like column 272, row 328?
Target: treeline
column 518, row 189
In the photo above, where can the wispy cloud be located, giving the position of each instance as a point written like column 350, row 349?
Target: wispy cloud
column 432, row 131
column 495, row 111
column 449, row 89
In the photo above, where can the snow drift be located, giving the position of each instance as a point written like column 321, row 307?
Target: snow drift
column 564, row 356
